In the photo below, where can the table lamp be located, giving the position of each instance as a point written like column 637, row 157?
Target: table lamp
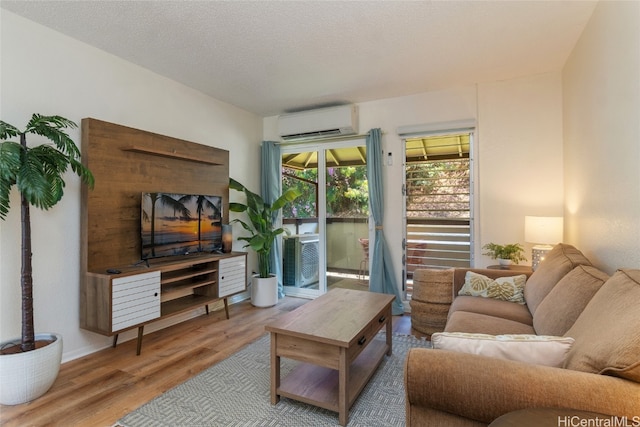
column 543, row 231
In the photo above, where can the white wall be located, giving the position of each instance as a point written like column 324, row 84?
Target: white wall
column 519, row 156
column 519, row 152
column 46, row 72
column 601, row 92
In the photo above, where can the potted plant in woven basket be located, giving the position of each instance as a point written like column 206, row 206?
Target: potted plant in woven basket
column 29, row 365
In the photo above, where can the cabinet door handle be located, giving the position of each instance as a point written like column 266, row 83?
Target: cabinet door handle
column 382, row 319
column 222, row 278
column 362, row 340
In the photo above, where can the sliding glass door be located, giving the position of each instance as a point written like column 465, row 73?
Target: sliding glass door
column 304, row 258
column 328, row 224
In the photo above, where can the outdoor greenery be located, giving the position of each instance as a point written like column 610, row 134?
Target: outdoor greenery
column 438, row 189
column 347, row 192
column 305, row 182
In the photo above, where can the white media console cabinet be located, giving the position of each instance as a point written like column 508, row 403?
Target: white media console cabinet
column 138, row 295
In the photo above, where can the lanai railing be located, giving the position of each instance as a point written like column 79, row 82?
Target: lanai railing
column 431, row 243
column 436, row 243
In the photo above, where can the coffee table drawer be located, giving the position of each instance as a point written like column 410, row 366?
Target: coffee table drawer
column 369, row 333
column 308, row 351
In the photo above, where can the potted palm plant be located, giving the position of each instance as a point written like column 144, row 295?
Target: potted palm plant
column 505, row 254
column 264, row 286
column 37, row 173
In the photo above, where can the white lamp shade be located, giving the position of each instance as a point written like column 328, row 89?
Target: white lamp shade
column 543, row 229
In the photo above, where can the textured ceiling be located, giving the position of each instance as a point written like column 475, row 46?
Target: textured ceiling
column 269, row 57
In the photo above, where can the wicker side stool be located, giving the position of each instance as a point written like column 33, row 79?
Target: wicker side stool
column 431, row 299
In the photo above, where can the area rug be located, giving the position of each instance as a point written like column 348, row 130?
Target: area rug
column 236, row 392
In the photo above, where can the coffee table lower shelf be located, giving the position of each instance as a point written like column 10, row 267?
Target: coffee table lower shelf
column 318, row 386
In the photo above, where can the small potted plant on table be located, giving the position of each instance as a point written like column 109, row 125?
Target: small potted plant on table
column 264, row 286
column 29, row 365
column 505, row 254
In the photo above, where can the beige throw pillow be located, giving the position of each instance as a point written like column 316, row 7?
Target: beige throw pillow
column 537, row 349
column 557, row 263
column 503, row 288
column 559, row 310
column 607, row 333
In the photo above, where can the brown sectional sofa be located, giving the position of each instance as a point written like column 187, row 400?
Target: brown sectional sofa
column 564, row 266
column 565, row 296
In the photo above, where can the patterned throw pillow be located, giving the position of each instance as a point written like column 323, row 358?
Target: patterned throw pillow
column 503, row 288
column 537, row 349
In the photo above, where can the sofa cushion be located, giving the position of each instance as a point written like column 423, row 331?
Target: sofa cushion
column 564, row 303
column 464, row 321
column 536, row 349
column 508, row 288
column 607, row 333
column 559, row 261
column 492, row 307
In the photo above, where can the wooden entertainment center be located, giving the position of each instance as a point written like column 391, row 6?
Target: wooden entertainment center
column 119, row 291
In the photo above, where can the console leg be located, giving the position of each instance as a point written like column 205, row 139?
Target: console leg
column 140, row 333
column 115, row 340
column 206, row 308
column 226, row 307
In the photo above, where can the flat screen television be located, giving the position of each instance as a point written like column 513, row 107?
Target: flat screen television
column 180, row 224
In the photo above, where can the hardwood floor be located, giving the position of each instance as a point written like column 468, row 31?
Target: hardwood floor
column 101, row 388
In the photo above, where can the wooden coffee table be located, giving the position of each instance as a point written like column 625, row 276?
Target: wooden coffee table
column 332, row 337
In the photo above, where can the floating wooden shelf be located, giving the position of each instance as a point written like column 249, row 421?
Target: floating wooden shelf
column 169, row 154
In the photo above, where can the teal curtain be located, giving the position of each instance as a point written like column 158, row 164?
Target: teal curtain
column 382, row 278
column 270, row 189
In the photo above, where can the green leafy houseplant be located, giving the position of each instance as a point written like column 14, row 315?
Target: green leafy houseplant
column 513, row 252
column 261, row 217
column 37, row 172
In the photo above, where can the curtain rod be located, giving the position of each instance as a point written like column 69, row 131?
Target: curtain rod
column 328, row 139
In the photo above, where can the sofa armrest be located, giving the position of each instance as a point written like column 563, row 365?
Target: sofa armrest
column 482, row 388
column 459, row 274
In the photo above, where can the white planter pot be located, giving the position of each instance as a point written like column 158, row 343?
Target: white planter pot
column 264, row 291
column 504, row 262
column 27, row 376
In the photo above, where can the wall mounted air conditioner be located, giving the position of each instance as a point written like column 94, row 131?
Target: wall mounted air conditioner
column 301, row 259
column 320, row 123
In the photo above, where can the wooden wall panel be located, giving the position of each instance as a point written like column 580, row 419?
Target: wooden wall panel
column 127, row 162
